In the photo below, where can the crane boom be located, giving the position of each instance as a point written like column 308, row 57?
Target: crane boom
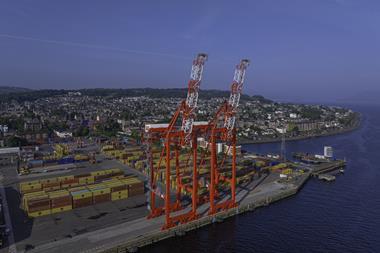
column 233, row 102
column 192, row 97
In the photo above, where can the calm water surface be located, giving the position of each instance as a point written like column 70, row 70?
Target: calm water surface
column 343, row 216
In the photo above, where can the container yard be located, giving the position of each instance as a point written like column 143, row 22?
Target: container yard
column 60, row 199
column 107, row 199
column 67, row 203
column 53, row 208
column 56, row 157
column 64, row 193
column 117, row 210
column 92, row 196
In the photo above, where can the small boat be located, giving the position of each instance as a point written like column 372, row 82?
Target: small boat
column 341, row 171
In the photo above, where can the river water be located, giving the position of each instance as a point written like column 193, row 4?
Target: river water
column 341, row 216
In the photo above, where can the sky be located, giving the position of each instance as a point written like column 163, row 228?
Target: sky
column 299, row 49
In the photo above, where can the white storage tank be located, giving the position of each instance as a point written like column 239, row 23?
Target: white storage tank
column 328, row 152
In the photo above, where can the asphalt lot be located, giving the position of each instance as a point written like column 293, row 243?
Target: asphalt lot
column 34, row 232
column 102, row 224
column 108, row 237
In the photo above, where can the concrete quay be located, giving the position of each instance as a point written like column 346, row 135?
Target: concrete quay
column 131, row 235
column 327, row 167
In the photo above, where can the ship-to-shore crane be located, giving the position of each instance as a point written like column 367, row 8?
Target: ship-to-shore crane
column 225, row 132
column 177, row 138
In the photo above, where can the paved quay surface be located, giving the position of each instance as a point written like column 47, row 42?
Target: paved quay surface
column 260, row 190
column 29, row 233
column 105, row 226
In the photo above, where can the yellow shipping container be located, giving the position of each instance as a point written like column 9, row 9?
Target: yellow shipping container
column 80, row 157
column 99, row 189
column 57, row 194
column 30, row 182
column 107, row 172
column 79, row 188
column 115, row 170
column 30, row 187
column 31, row 194
column 107, row 147
column 61, row 209
column 287, row 171
column 131, row 180
column 70, row 185
column 98, row 173
column 86, row 180
column 118, row 177
column 116, row 196
column 39, row 213
column 279, row 166
column 65, row 178
column 112, row 182
column 53, row 188
column 81, row 194
column 49, row 180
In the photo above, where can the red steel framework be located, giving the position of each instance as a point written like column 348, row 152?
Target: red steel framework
column 177, row 138
column 185, row 138
column 227, row 134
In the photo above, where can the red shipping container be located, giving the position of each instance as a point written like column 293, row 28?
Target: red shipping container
column 61, row 201
column 39, row 202
column 38, row 208
column 102, row 198
column 51, row 184
column 77, row 203
column 70, row 181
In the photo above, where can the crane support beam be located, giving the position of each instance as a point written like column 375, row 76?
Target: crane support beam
column 175, row 137
column 227, row 133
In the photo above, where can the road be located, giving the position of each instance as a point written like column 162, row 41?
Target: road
column 8, row 222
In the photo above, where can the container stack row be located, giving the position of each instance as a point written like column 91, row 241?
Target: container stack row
column 43, row 203
column 69, row 181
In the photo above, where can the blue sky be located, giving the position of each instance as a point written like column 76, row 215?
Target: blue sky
column 305, row 49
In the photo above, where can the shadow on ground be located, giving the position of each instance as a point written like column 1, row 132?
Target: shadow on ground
column 22, row 225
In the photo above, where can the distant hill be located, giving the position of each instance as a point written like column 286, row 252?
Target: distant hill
column 163, row 93
column 31, row 95
column 7, row 89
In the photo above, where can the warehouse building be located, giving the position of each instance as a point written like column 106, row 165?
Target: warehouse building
column 9, row 156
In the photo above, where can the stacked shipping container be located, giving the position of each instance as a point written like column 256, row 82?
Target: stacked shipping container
column 44, row 203
column 69, row 181
column 60, row 201
column 81, row 198
column 37, row 204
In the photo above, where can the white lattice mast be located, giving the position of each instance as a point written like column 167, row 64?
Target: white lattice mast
column 192, row 97
column 233, row 102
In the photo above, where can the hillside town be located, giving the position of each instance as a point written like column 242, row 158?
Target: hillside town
column 73, row 114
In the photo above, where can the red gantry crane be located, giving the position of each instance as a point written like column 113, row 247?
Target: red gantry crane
column 175, row 137
column 178, row 137
column 225, row 133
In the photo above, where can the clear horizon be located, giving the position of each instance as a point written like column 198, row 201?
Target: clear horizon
column 300, row 50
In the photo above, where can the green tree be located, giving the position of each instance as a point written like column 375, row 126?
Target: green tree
column 15, row 141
